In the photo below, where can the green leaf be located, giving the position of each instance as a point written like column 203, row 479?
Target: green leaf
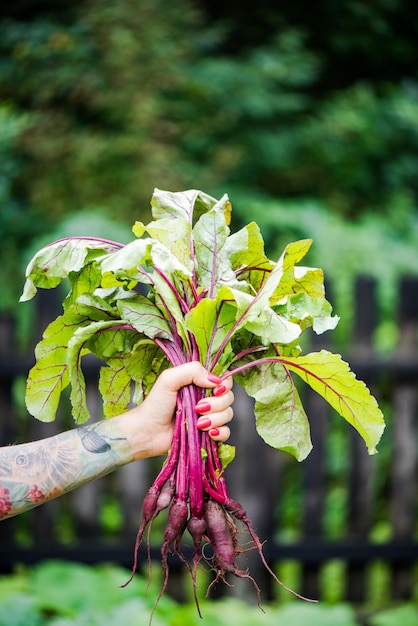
column 256, row 316
column 45, row 383
column 185, row 205
column 144, row 363
column 256, row 313
column 145, row 317
column 210, row 321
column 310, row 281
column 280, row 283
column 130, row 261
column 177, row 239
column 226, row 454
column 139, row 228
column 273, row 328
column 59, row 332
column 115, row 387
column 93, row 307
column 245, row 250
column 307, row 305
column 332, row 378
column 54, row 262
column 111, row 339
column 85, row 281
column 49, row 376
column 135, row 262
column 103, row 338
column 307, row 311
column 280, row 418
column 213, row 264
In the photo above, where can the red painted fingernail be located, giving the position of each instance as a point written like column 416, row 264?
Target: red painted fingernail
column 219, row 390
column 214, row 432
column 203, row 423
column 213, row 378
column 202, row 407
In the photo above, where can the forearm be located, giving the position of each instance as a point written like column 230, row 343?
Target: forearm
column 33, row 473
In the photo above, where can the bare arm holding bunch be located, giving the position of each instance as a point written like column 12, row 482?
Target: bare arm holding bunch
column 38, row 471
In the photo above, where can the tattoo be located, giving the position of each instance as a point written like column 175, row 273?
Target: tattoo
column 35, row 472
column 5, row 502
column 94, row 442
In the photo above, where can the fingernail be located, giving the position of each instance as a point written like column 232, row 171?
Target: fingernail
column 213, row 378
column 214, row 432
column 219, row 390
column 203, row 423
column 202, row 407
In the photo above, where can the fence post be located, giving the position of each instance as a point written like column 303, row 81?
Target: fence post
column 314, row 480
column 404, row 455
column 360, row 476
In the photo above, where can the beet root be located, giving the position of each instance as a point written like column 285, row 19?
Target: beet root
column 191, row 485
column 222, row 533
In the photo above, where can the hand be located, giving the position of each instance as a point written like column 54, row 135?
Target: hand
column 159, row 406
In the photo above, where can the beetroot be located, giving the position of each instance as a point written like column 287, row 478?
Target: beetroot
column 188, row 290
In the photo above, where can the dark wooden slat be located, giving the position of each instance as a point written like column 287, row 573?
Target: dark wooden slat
column 404, row 455
column 408, row 314
column 359, row 514
column 314, row 489
column 359, row 510
column 365, row 315
column 310, row 552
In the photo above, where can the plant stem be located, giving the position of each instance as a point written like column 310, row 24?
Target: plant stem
column 107, row 242
column 194, row 452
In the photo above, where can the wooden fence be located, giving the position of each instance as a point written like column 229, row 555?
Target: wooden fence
column 339, row 506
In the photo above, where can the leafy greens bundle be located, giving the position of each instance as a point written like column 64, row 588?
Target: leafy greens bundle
column 187, row 289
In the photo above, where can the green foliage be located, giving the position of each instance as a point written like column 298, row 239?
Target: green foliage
column 56, row 593
column 229, row 611
column 100, row 129
column 61, row 594
column 359, row 40
column 373, row 246
column 110, row 99
column 357, row 151
column 211, row 296
column 406, row 615
column 114, row 98
column 118, row 97
column 248, row 110
column 14, row 232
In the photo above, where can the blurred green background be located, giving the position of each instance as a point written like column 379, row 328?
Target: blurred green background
column 57, row 593
column 306, row 114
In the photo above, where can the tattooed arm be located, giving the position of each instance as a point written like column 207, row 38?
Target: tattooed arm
column 35, row 472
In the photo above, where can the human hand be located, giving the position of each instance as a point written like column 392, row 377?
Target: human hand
column 157, row 410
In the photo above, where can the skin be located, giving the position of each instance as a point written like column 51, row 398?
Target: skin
column 35, row 472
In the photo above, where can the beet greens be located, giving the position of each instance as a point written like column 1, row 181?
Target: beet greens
column 187, row 289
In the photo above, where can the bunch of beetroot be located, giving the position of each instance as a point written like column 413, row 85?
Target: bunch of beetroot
column 191, row 485
column 187, row 289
